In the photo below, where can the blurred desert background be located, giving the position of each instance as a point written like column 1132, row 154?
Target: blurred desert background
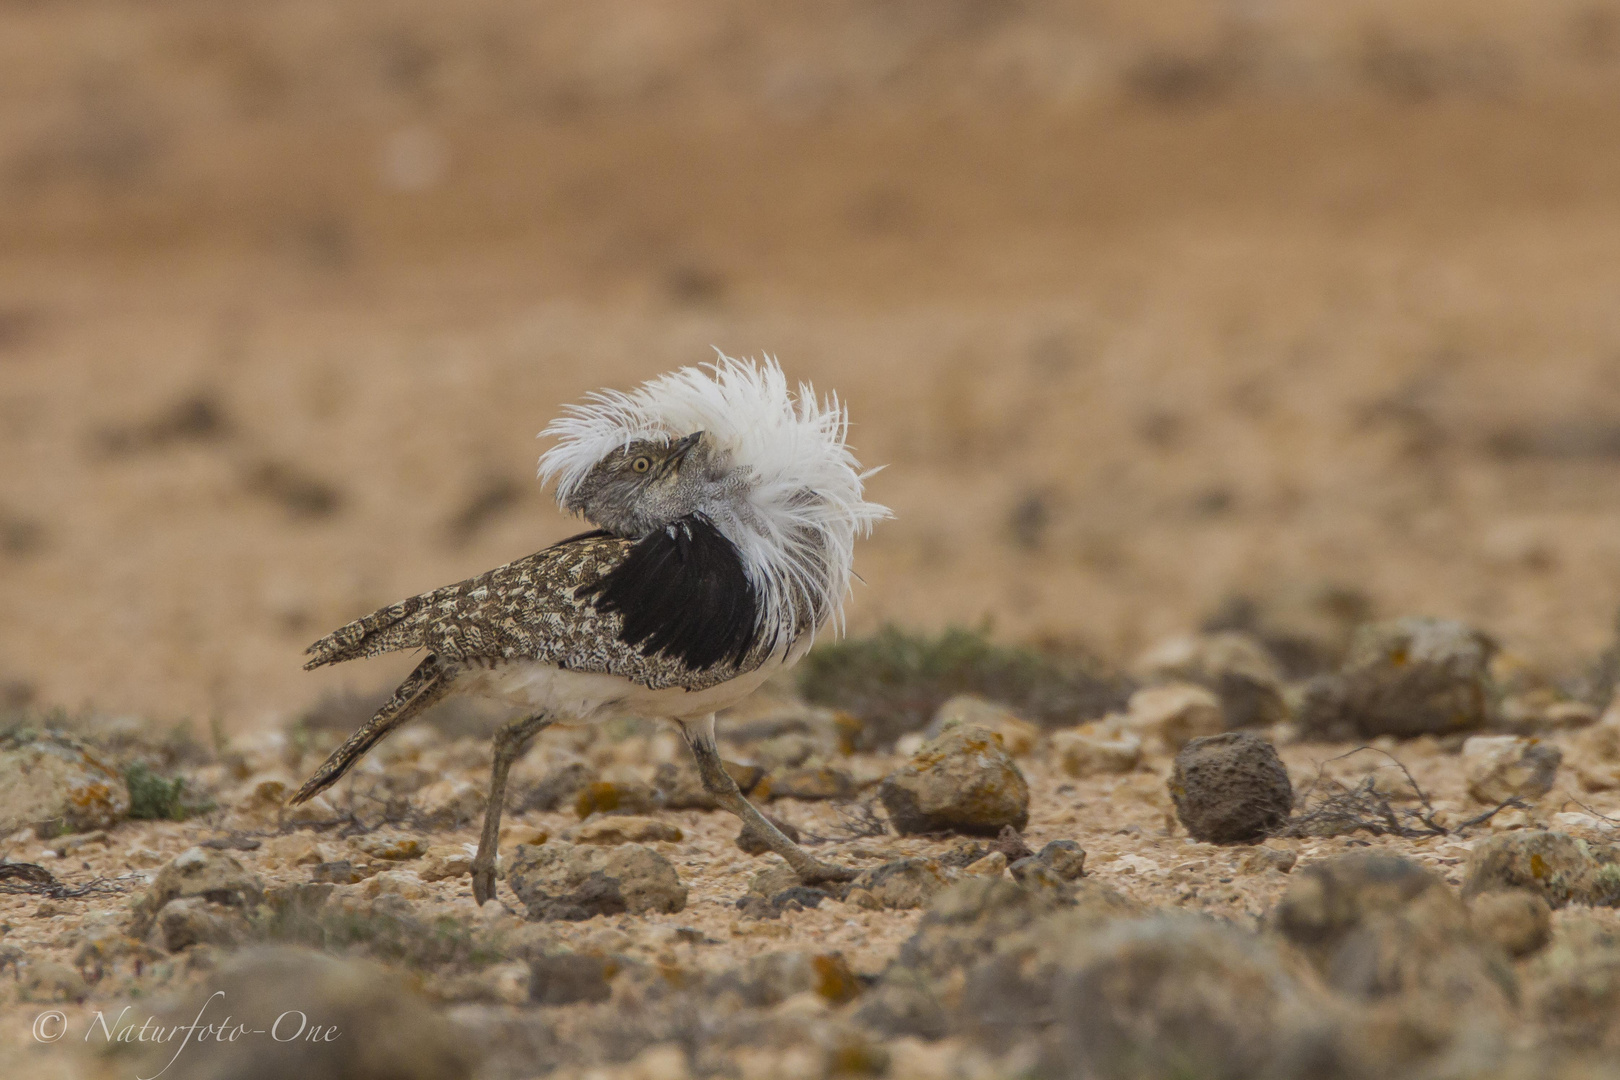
column 1145, row 307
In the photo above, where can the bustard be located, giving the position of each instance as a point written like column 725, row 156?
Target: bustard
column 726, row 508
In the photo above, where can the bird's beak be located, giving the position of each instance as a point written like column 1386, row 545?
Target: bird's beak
column 677, row 453
column 684, row 446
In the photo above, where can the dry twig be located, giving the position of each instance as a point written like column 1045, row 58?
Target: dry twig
column 1342, row 809
column 31, row 879
column 856, row 821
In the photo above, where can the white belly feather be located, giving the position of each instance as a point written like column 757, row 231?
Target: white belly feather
column 591, row 697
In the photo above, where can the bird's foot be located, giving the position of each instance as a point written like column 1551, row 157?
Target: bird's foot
column 483, row 881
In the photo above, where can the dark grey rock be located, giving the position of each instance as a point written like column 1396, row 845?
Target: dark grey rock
column 575, row 882
column 1037, row 875
column 798, row 898
column 963, row 854
column 1378, row 925
column 1406, row 677
column 795, row 898
column 898, row 885
column 200, row 873
column 1184, row 996
column 194, row 921
column 1010, row 842
column 1060, row 863
column 1065, row 857
column 1230, row 788
column 750, row 842
column 556, row 791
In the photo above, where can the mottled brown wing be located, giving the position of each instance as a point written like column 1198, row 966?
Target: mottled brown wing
column 525, row 610
column 462, row 616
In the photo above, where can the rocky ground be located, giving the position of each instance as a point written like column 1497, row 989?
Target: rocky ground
column 1404, row 864
column 1267, row 320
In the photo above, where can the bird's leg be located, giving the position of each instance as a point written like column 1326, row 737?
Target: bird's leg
column 510, row 742
column 722, row 786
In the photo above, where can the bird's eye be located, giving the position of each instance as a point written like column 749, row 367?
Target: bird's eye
column 641, row 464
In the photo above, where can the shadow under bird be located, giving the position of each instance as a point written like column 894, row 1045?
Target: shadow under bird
column 726, row 508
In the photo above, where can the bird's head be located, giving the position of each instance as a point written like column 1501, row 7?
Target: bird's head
column 766, row 465
column 648, row 483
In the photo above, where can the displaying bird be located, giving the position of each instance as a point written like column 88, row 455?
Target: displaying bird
column 726, row 508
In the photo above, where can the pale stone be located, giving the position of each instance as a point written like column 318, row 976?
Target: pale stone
column 992, row 865
column 56, row 786
column 1502, row 767
column 392, row 845
column 626, row 829
column 1018, row 736
column 1235, row 665
column 445, row 861
column 963, row 781
column 1511, row 819
column 1095, row 748
column 294, row 849
column 394, row 883
column 514, row 833
column 449, row 803
column 1175, row 714
column 665, row 1061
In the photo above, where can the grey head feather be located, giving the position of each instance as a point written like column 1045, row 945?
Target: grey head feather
column 648, row 483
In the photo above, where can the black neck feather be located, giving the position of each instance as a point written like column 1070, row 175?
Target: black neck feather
column 683, row 594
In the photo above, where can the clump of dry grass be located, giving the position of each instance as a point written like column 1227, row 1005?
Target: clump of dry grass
column 1330, row 807
column 856, row 821
column 31, row 879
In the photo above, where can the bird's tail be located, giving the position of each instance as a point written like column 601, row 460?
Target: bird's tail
column 398, row 626
column 423, row 687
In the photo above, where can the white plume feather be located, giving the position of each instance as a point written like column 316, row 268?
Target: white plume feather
column 797, row 519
